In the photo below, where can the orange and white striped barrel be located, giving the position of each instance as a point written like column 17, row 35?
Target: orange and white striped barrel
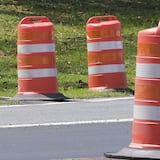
column 146, row 124
column 37, row 72
column 145, row 142
column 106, row 69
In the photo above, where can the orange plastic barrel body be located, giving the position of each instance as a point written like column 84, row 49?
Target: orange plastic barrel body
column 36, row 57
column 146, row 124
column 106, row 69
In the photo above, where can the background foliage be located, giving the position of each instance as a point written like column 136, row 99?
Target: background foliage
column 69, row 18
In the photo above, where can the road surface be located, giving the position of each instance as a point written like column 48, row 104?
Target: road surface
column 61, row 130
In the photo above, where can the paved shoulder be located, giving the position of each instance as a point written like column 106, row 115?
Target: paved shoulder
column 99, row 110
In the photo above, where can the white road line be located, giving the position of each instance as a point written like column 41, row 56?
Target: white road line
column 67, row 123
column 36, row 104
column 108, row 99
column 74, row 101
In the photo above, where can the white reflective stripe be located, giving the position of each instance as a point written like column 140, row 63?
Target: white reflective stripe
column 37, row 73
column 98, row 46
column 111, row 68
column 148, row 70
column 147, row 112
column 35, row 48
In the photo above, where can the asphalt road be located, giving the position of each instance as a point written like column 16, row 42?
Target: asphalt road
column 59, row 142
column 78, row 129
column 101, row 109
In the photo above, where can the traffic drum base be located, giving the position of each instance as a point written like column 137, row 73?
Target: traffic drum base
column 40, row 97
column 133, row 153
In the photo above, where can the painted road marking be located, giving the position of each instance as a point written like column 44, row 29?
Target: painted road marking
column 68, row 123
column 108, row 99
column 71, row 101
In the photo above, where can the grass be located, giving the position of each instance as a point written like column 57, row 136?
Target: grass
column 69, row 18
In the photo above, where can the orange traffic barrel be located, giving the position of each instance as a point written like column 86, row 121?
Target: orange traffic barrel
column 146, row 124
column 36, row 58
column 106, row 68
column 145, row 142
column 147, row 83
